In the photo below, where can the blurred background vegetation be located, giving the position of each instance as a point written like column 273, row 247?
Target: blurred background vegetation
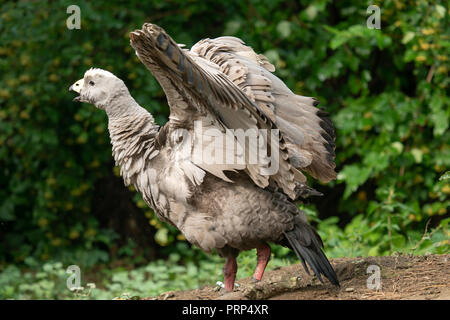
column 62, row 202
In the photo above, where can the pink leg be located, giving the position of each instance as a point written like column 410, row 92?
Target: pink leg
column 229, row 271
column 263, row 253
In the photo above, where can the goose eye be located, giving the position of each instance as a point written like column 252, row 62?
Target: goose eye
column 91, row 83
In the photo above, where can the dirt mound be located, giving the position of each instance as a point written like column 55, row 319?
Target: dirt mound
column 400, row 277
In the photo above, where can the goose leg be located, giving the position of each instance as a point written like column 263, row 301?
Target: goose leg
column 229, row 272
column 263, row 254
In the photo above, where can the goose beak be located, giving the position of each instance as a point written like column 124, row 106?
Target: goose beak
column 77, row 86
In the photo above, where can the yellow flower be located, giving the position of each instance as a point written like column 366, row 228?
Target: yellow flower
column 432, row 195
column 442, row 69
column 53, row 78
column 51, row 181
column 5, row 16
column 87, row 46
column 425, row 149
column 81, row 139
column 148, row 214
column 368, row 115
column 56, row 61
column 24, row 78
column 362, row 196
column 446, row 189
column 95, row 164
column 76, row 192
column 12, row 83
column 68, row 206
column 427, row 31
column 418, row 179
column 420, row 58
column 74, row 234
column 25, row 59
column 4, row 93
column 116, row 171
column 56, row 242
column 424, row 45
column 90, row 233
column 88, row 62
column 24, row 115
column 28, row 92
column 99, row 129
column 42, row 222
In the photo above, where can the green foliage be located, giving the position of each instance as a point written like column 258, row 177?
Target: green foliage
column 386, row 91
column 48, row 281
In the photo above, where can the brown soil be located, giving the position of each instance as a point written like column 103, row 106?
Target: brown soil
column 402, row 277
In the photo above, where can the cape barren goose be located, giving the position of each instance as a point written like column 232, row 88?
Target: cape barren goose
column 226, row 169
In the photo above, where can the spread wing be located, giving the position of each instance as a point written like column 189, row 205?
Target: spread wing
column 308, row 132
column 225, row 85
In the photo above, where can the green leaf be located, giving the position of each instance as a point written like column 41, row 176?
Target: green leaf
column 445, row 176
column 284, row 28
column 354, row 176
column 311, row 12
column 440, row 10
column 232, row 27
column 408, row 37
column 417, row 154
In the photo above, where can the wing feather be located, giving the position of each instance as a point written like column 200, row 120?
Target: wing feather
column 224, row 80
column 308, row 131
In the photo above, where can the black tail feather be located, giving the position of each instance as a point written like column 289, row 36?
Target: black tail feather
column 307, row 244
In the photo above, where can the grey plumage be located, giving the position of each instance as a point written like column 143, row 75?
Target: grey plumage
column 222, row 84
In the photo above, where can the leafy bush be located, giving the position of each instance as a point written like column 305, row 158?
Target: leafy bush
column 386, row 91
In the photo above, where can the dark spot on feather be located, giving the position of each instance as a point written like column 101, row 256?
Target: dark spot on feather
column 181, row 64
column 160, row 40
column 327, row 126
column 327, row 137
column 329, row 148
column 169, row 51
column 199, row 84
column 322, row 113
column 315, row 102
column 190, row 76
column 330, row 158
